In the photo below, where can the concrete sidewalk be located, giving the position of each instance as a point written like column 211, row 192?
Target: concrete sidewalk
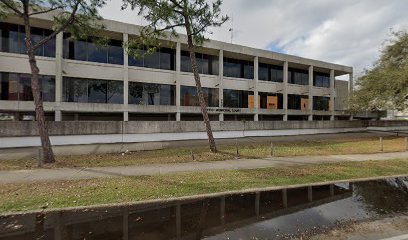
column 34, row 175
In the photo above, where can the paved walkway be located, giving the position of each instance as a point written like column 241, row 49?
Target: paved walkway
column 19, row 176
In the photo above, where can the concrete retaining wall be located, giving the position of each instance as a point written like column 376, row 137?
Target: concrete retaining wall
column 21, row 129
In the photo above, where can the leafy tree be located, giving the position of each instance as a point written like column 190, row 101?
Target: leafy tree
column 78, row 17
column 385, row 86
column 164, row 18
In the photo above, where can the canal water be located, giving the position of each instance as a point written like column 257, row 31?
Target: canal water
column 277, row 214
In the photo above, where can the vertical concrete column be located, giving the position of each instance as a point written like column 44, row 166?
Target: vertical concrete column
column 125, row 80
column 310, row 93
column 58, row 75
column 178, row 81
column 256, row 103
column 332, row 95
column 221, row 83
column 285, row 90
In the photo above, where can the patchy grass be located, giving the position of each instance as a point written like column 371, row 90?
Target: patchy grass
column 201, row 154
column 57, row 194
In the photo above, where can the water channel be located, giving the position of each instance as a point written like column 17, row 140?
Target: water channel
column 277, row 214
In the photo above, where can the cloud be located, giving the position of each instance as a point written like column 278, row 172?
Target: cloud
column 346, row 32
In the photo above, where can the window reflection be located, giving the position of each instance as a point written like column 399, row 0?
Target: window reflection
column 206, row 64
column 17, row 86
column 13, row 40
column 92, row 91
column 163, row 58
column 297, row 76
column 87, row 50
column 236, row 98
column 298, row 102
column 238, row 68
column 321, row 79
column 151, row 94
column 189, row 96
column 321, row 103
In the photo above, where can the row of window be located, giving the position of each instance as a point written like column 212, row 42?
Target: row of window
column 14, row 86
column 13, row 40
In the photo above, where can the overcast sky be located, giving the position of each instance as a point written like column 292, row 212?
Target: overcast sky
column 348, row 32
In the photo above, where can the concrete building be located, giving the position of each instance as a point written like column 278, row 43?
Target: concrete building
column 81, row 81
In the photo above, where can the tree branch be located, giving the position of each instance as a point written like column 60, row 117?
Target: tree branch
column 45, row 11
column 70, row 20
column 7, row 3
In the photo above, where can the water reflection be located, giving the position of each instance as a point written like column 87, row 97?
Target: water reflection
column 265, row 215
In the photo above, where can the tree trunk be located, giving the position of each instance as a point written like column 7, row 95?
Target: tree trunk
column 47, row 153
column 203, row 104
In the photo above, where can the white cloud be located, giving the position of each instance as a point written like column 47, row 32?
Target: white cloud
column 346, row 32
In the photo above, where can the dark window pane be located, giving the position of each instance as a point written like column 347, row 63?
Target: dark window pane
column 232, row 68
column 167, row 94
column 135, row 93
column 9, row 38
column 115, row 52
column 115, row 92
column 151, row 94
column 263, row 72
column 249, row 71
column 189, row 96
column 49, row 47
column 205, row 64
column 136, row 58
column 321, row 103
column 167, row 57
column 97, row 53
column 75, row 89
column 48, row 88
column 185, row 62
column 97, row 91
column 152, row 60
column 300, row 77
column 8, row 86
column 214, row 65
column 36, row 37
column 25, row 92
column 236, row 98
column 80, row 51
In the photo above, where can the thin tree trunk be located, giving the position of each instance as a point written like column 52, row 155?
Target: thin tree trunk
column 48, row 154
column 203, row 104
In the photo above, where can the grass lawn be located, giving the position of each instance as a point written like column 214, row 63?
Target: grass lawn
column 56, row 194
column 255, row 150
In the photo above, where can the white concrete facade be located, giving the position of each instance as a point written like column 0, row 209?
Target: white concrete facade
column 60, row 67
